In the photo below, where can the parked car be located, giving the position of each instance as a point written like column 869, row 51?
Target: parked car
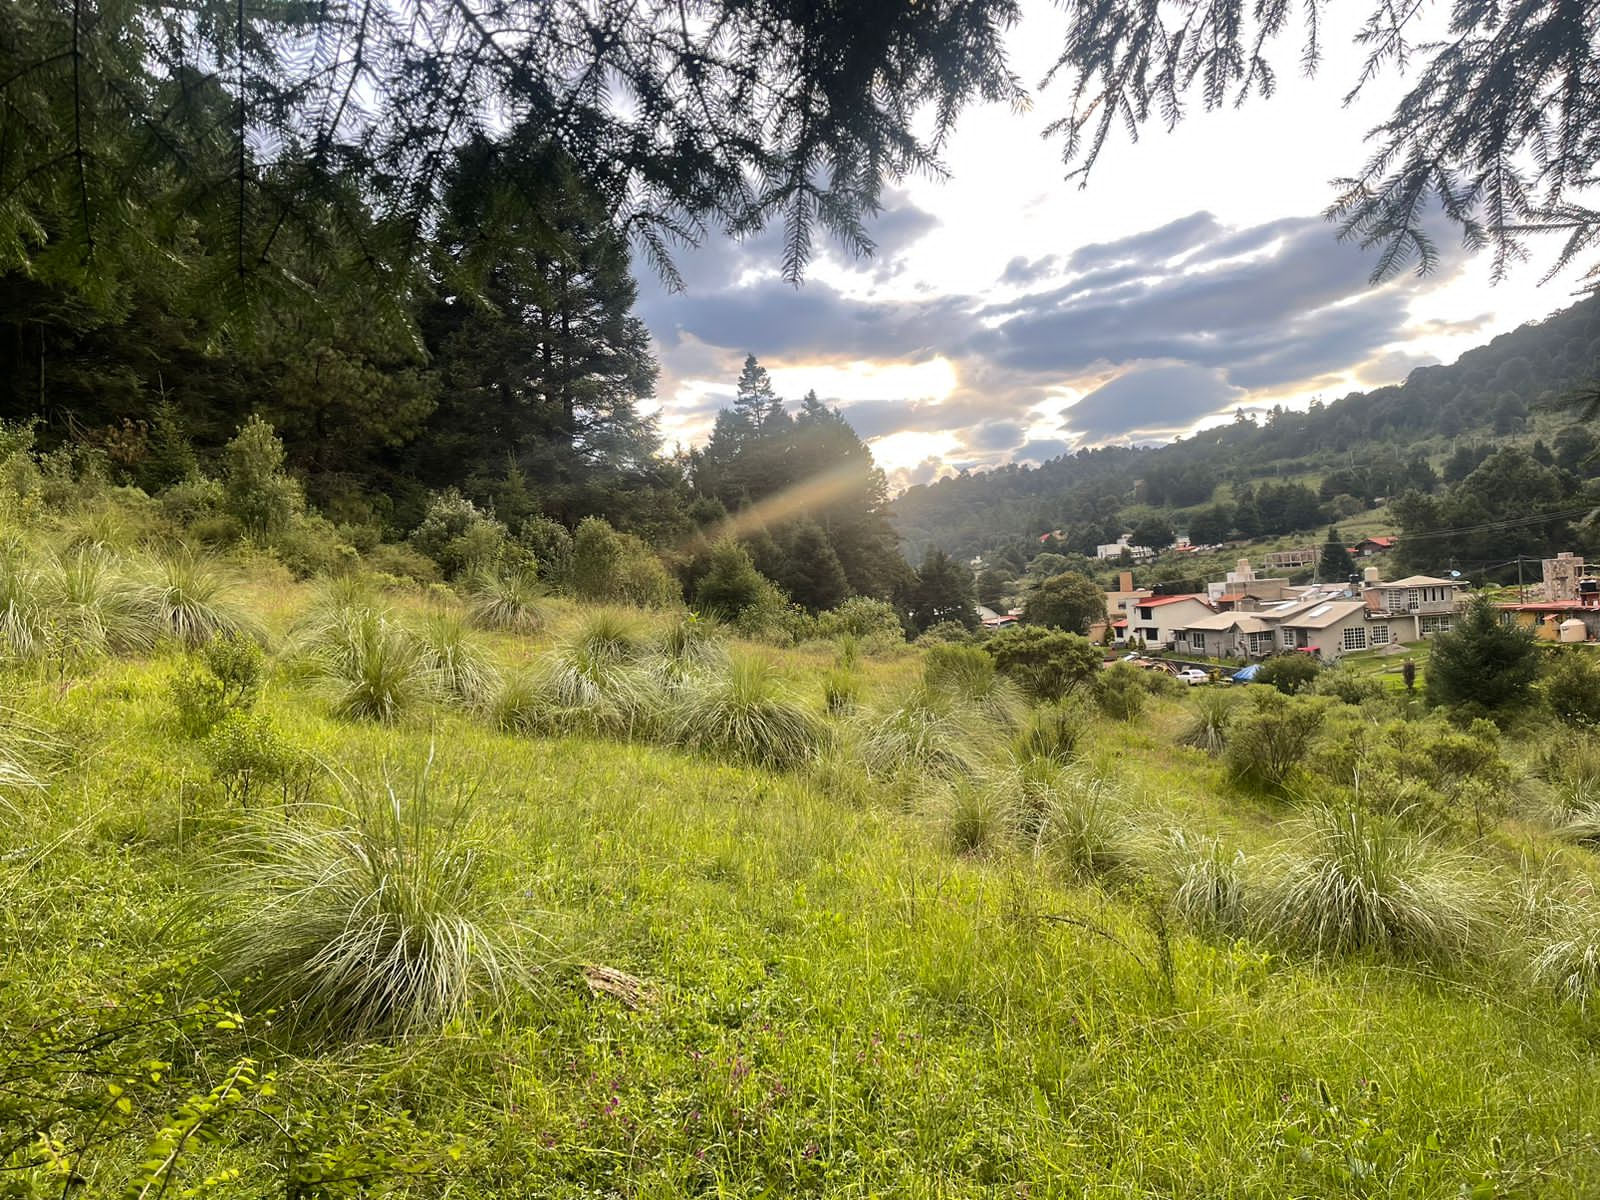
column 1194, row 675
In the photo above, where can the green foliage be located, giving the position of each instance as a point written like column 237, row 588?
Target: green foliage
column 1567, row 960
column 1291, row 674
column 942, row 591
column 1068, row 601
column 1121, row 691
column 731, row 583
column 382, row 924
column 747, row 714
column 188, row 601
column 1349, row 685
column 1354, row 884
column 372, row 668
column 462, row 667
column 458, row 536
column 248, row 755
column 1051, row 732
column 93, row 605
column 865, row 618
column 1269, row 736
column 1571, row 687
column 507, row 599
column 1335, row 565
column 1082, row 827
column 1482, row 662
column 1046, row 664
column 256, row 491
column 223, row 679
column 1208, row 888
column 841, row 690
column 617, row 568
column 969, row 674
column 920, row 733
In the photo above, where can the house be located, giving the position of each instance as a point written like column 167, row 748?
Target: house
column 1120, row 602
column 1333, row 628
column 1553, row 620
column 1416, row 606
column 1157, row 618
column 1288, row 560
column 1117, row 548
column 990, row 619
column 1369, row 546
column 1227, row 635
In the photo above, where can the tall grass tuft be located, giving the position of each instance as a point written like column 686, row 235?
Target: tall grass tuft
column 1082, row 826
column 969, row 674
column 187, row 600
column 97, row 607
column 509, row 600
column 459, row 664
column 383, row 925
column 1354, row 883
column 922, row 734
column 516, row 703
column 1052, row 732
column 979, row 815
column 1208, row 883
column 1567, row 960
column 26, row 750
column 24, row 626
column 747, row 713
column 1208, row 728
column 595, row 681
column 373, row 667
column 687, row 647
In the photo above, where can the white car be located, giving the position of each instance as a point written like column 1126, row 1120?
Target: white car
column 1194, row 675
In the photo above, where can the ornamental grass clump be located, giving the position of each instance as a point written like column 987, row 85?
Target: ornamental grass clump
column 460, row 664
column 372, row 667
column 1354, row 883
column 24, row 625
column 1050, row 731
column 1211, row 710
column 187, row 600
column 1567, row 959
column 508, row 600
column 1207, row 881
column 749, row 714
column 382, row 925
column 94, row 604
column 921, row 734
column 686, row 647
column 979, row 815
column 969, row 674
column 1082, row 826
column 595, row 681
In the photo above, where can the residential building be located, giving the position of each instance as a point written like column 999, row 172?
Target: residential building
column 1417, row 606
column 1288, row 560
column 1157, row 618
column 1380, row 544
column 1117, row 548
column 1564, row 576
column 1333, row 628
column 1555, row 620
column 1227, row 635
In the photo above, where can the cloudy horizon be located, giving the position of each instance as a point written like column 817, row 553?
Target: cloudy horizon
column 1007, row 316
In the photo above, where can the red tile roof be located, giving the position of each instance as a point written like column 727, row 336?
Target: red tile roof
column 1155, row 600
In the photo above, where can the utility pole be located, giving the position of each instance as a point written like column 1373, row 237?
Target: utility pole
column 1521, row 595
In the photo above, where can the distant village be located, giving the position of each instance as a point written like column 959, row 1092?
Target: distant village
column 1246, row 616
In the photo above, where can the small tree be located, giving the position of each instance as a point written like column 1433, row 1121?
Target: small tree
column 1067, row 601
column 1571, row 686
column 942, row 592
column 256, row 490
column 1335, row 562
column 731, row 584
column 1270, row 738
column 1046, row 663
column 1482, row 662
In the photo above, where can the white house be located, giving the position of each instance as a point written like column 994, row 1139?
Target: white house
column 1156, row 619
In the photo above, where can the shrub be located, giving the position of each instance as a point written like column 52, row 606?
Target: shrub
column 373, row 668
column 548, row 544
column 1270, row 736
column 1482, row 662
column 1208, row 727
column 1050, row 731
column 731, row 583
column 1045, row 663
column 256, row 491
column 248, row 755
column 1353, row 883
column 610, row 567
column 311, row 545
column 190, row 500
column 1121, row 691
column 403, row 562
column 455, row 533
column 1347, row 684
column 969, row 674
column 1571, row 687
column 865, row 618
column 461, row 667
column 188, row 601
column 383, row 925
column 222, row 680
column 747, row 714
column 1291, row 674
column 507, row 599
column 947, row 632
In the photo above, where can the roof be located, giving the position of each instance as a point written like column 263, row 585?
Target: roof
column 1329, row 612
column 1547, row 606
column 1222, row 622
column 1233, row 597
column 1411, row 581
column 1381, row 539
column 1154, row 601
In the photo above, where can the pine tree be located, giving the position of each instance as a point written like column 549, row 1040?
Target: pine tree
column 1335, row 565
column 1482, row 661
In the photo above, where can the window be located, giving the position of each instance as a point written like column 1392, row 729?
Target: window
column 1355, row 637
column 1443, row 624
column 1260, row 643
column 1378, row 635
column 1413, row 597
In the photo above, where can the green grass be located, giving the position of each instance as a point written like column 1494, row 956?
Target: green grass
column 1012, row 976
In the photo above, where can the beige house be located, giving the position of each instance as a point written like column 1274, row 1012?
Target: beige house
column 1414, row 607
column 1334, row 628
column 1227, row 635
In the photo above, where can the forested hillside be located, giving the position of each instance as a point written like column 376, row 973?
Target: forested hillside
column 1295, row 471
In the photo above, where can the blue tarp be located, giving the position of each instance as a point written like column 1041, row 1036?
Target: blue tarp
column 1246, row 674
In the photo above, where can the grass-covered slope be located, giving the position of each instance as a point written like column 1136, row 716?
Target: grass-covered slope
column 257, row 941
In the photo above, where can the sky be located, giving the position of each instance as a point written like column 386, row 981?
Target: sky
column 1011, row 316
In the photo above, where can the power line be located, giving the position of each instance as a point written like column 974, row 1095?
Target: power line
column 1508, row 523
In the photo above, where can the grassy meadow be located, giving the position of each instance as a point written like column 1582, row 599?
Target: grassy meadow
column 342, row 887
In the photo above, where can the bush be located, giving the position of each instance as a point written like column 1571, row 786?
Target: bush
column 223, row 680
column 311, row 545
column 1291, row 674
column 1352, row 883
column 549, row 547
column 1353, row 687
column 247, row 755
column 403, row 562
column 1046, row 664
column 747, row 714
column 731, row 584
column 190, row 500
column 864, row 618
column 1269, row 738
column 947, row 633
column 458, row 535
column 1121, row 691
column 1208, row 728
column 381, row 926
column 1051, row 732
column 617, row 568
column 1571, row 687
column 256, row 491
column 508, row 599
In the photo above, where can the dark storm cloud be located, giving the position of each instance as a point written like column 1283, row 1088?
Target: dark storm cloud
column 1157, row 399
column 1188, row 317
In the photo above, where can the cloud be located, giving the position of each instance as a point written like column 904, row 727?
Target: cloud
column 1041, row 450
column 1184, row 320
column 1151, row 400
